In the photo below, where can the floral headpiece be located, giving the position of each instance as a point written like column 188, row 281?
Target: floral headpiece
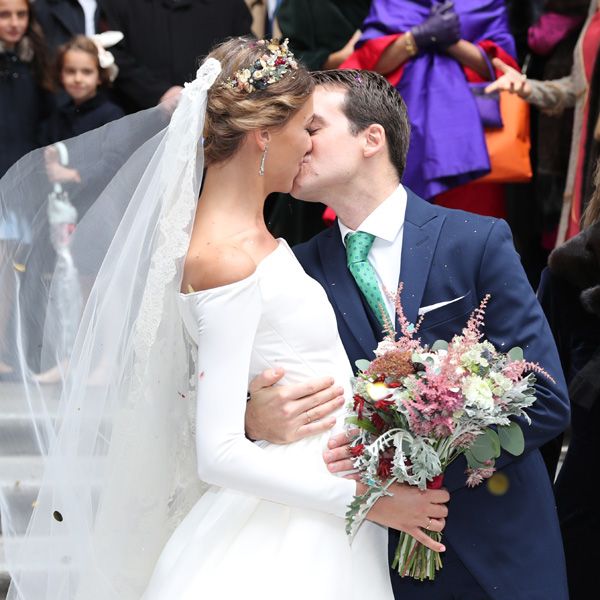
column 276, row 61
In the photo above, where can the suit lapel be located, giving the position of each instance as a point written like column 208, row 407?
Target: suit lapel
column 342, row 289
column 422, row 228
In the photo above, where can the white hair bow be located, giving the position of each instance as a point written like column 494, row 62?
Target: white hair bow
column 106, row 59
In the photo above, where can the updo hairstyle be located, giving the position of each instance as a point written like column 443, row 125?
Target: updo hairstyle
column 231, row 112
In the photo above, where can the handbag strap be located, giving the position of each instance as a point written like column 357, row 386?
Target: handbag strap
column 489, row 64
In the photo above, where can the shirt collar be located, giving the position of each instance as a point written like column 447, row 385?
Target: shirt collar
column 386, row 221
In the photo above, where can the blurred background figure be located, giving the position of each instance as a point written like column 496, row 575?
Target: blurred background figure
column 322, row 34
column 579, row 89
column 259, row 11
column 26, row 81
column 570, row 295
column 66, row 296
column 63, row 19
column 85, row 80
column 164, row 40
column 433, row 52
column 521, row 15
column 263, row 17
column 25, row 101
column 546, row 33
column 84, row 69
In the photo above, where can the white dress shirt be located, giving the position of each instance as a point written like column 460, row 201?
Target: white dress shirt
column 89, row 12
column 386, row 223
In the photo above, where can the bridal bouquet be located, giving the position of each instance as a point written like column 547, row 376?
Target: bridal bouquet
column 418, row 408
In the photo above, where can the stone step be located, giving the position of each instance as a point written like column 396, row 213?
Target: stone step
column 46, row 548
column 20, row 480
column 17, row 415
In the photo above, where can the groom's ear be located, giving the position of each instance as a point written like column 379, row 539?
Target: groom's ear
column 374, row 140
column 262, row 138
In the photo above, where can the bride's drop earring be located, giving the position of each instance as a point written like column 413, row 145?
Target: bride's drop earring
column 261, row 168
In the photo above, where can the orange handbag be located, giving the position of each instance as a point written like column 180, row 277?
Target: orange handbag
column 509, row 146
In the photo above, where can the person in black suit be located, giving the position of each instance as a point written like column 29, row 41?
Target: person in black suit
column 164, row 40
column 569, row 293
column 61, row 20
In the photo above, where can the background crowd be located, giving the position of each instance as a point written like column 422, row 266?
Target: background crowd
column 528, row 154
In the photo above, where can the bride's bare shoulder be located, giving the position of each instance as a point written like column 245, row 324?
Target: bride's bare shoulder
column 213, row 265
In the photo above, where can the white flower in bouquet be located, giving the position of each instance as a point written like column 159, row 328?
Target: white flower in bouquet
column 477, row 391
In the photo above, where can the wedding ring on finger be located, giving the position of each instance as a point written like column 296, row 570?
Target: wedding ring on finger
column 428, row 524
column 308, row 417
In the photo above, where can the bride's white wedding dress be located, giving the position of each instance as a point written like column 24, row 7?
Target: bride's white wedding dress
column 272, row 524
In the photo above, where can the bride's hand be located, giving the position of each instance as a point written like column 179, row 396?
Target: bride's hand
column 337, row 456
column 282, row 414
column 413, row 511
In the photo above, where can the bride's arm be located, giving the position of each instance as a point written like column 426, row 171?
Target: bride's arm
column 227, row 318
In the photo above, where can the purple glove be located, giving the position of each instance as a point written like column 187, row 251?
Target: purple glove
column 440, row 30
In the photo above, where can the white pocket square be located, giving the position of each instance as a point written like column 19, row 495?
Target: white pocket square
column 425, row 309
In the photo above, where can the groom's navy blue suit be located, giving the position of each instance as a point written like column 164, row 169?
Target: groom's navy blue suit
column 509, row 543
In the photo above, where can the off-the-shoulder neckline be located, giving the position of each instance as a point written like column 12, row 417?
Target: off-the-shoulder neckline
column 281, row 243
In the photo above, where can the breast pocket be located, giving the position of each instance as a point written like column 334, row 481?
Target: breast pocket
column 458, row 311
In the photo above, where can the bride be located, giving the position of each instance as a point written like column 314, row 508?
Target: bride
column 184, row 311
column 274, row 526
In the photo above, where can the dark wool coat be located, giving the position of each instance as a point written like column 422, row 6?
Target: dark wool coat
column 164, row 40
column 570, row 295
column 69, row 120
column 23, row 106
column 316, row 28
column 60, row 20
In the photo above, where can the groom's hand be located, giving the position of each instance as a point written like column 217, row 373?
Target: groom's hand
column 409, row 509
column 282, row 414
column 413, row 511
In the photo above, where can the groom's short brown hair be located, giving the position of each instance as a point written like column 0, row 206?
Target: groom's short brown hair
column 371, row 99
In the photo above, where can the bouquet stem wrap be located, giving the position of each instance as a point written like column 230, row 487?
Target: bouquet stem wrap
column 412, row 559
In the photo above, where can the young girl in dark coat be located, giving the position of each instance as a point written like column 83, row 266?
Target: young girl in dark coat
column 25, row 100
column 84, row 79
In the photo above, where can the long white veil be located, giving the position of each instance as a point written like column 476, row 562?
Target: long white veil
column 111, row 445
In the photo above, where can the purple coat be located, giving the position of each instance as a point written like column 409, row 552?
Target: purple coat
column 447, row 146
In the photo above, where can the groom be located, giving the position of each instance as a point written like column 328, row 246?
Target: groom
column 503, row 540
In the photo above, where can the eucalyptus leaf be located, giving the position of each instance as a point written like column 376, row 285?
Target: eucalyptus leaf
column 516, row 353
column 362, row 364
column 512, row 439
column 472, row 462
column 486, row 446
column 362, row 424
column 495, row 440
column 439, row 345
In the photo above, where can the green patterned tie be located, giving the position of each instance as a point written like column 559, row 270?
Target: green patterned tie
column 357, row 249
